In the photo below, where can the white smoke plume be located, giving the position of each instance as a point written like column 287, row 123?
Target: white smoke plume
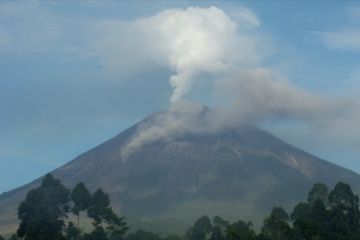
column 196, row 41
column 190, row 42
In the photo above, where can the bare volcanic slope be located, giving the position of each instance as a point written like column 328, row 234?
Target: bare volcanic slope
column 238, row 173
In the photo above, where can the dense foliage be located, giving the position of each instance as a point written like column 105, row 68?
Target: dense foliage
column 44, row 214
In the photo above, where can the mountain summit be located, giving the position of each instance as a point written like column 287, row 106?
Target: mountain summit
column 234, row 173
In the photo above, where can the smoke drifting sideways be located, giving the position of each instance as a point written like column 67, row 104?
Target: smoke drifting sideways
column 231, row 49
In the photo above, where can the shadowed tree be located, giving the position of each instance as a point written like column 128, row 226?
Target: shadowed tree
column 311, row 220
column 240, row 230
column 303, row 225
column 218, row 232
column 201, row 229
column 102, row 213
column 172, row 237
column 319, row 191
column 345, row 214
column 320, row 220
column 42, row 213
column 99, row 209
column 143, row 235
column 276, row 226
column 81, row 197
column 98, row 234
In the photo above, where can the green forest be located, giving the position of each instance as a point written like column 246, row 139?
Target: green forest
column 45, row 215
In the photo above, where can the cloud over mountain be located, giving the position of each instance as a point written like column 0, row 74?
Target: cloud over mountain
column 228, row 51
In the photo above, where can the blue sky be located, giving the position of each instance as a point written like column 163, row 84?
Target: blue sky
column 61, row 94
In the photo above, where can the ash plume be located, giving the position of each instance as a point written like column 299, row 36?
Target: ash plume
column 230, row 49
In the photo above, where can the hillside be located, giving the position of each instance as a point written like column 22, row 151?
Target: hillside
column 237, row 173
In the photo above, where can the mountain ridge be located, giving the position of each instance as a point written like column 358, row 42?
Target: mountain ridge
column 243, row 171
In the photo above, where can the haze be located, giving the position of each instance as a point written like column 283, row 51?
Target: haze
column 75, row 74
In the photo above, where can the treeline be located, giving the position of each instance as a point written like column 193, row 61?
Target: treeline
column 325, row 215
column 44, row 214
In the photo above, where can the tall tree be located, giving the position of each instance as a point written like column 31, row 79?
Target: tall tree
column 99, row 209
column 320, row 220
column 345, row 211
column 43, row 212
column 219, row 228
column 201, row 230
column 276, row 226
column 319, row 191
column 240, row 230
column 81, row 197
column 102, row 213
column 303, row 225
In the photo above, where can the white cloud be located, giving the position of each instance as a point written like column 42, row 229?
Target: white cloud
column 245, row 18
column 228, row 47
column 348, row 39
column 33, row 27
column 188, row 41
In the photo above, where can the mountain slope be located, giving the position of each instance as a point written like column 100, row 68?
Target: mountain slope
column 239, row 173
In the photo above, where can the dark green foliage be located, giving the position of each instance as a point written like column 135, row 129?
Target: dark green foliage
column 219, row 228
column 319, row 192
column 172, row 237
column 116, row 235
column 98, row 234
column 320, row 215
column 43, row 212
column 42, row 215
column 334, row 216
column 81, row 197
column 72, row 232
column 117, row 228
column 303, row 224
column 219, row 222
column 100, row 210
column 1, row 238
column 102, row 213
column 276, row 225
column 331, row 216
column 143, row 235
column 328, row 216
column 240, row 230
column 201, row 229
column 301, row 212
column 311, row 220
column 345, row 214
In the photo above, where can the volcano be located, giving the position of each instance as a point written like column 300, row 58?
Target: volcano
column 235, row 173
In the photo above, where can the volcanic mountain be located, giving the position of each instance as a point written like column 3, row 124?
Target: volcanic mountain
column 235, row 173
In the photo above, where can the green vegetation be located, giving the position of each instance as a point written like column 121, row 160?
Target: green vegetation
column 44, row 215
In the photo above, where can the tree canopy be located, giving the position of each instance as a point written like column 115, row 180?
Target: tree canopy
column 44, row 215
column 45, row 211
